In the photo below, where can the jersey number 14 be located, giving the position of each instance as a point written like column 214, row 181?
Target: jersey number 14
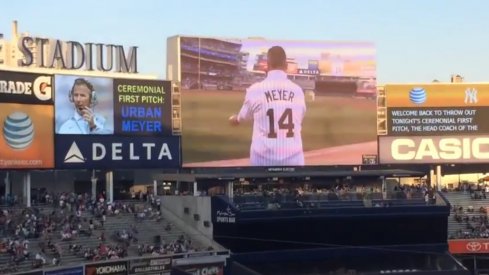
column 285, row 122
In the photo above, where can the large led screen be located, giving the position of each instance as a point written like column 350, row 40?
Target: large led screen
column 434, row 123
column 326, row 115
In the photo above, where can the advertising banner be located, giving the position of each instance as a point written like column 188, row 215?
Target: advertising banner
column 433, row 123
column 38, row 272
column 66, row 271
column 468, row 246
column 26, row 136
column 25, row 88
column 98, row 151
column 160, row 265
column 26, row 121
column 204, row 269
column 112, row 268
column 434, row 149
column 427, row 95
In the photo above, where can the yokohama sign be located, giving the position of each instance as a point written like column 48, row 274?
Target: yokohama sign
column 469, row 246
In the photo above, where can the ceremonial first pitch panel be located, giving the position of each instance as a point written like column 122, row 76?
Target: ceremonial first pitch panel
column 136, row 116
column 434, row 123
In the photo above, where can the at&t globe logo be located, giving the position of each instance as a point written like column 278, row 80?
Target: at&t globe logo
column 417, row 95
column 18, row 130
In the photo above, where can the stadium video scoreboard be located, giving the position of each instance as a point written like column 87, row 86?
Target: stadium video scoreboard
column 433, row 123
column 77, row 122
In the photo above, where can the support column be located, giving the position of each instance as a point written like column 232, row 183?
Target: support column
column 6, row 180
column 438, row 177
column 432, row 177
column 155, row 186
column 195, row 189
column 109, row 186
column 384, row 187
column 27, row 189
column 94, row 186
column 230, row 190
column 177, row 189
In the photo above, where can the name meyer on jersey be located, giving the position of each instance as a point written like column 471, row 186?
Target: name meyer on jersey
column 118, row 152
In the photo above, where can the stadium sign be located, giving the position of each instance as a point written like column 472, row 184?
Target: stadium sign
column 433, row 123
column 26, row 115
column 113, row 268
column 149, row 266
column 469, row 246
column 226, row 216
column 84, row 151
column 40, row 87
column 73, row 55
column 434, row 149
column 65, row 271
column 25, row 88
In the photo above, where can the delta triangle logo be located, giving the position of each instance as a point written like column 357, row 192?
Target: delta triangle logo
column 74, row 154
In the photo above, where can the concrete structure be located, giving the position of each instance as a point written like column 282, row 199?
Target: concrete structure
column 10, row 55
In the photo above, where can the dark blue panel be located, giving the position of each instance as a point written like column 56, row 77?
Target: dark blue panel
column 109, row 152
column 66, row 271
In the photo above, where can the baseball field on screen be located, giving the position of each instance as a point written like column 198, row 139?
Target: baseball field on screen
column 330, row 122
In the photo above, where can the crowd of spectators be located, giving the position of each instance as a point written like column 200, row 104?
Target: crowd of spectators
column 287, row 196
column 64, row 217
column 160, row 247
column 475, row 221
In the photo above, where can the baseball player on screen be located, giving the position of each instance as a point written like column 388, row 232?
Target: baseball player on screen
column 277, row 107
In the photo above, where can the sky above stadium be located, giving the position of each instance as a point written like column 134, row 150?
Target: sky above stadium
column 416, row 40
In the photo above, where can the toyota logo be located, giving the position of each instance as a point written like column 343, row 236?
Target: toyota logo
column 473, row 246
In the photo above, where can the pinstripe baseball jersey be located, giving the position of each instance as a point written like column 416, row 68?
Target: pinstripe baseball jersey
column 277, row 107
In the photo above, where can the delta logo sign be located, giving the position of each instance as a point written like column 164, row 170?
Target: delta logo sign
column 97, row 152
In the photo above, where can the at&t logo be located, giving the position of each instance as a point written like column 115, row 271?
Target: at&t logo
column 18, row 130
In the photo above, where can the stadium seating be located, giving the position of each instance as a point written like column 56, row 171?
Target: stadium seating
column 148, row 230
column 250, row 202
column 463, row 202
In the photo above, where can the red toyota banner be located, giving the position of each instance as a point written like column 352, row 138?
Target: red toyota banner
column 469, row 246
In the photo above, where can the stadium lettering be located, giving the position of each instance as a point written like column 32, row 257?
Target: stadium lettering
column 72, row 55
column 226, row 219
column 140, row 112
column 140, row 89
column 41, row 87
column 133, row 126
column 111, row 269
column 159, row 262
column 442, row 149
column 213, row 270
column 99, row 151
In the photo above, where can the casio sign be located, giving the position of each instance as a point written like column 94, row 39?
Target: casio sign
column 453, row 148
